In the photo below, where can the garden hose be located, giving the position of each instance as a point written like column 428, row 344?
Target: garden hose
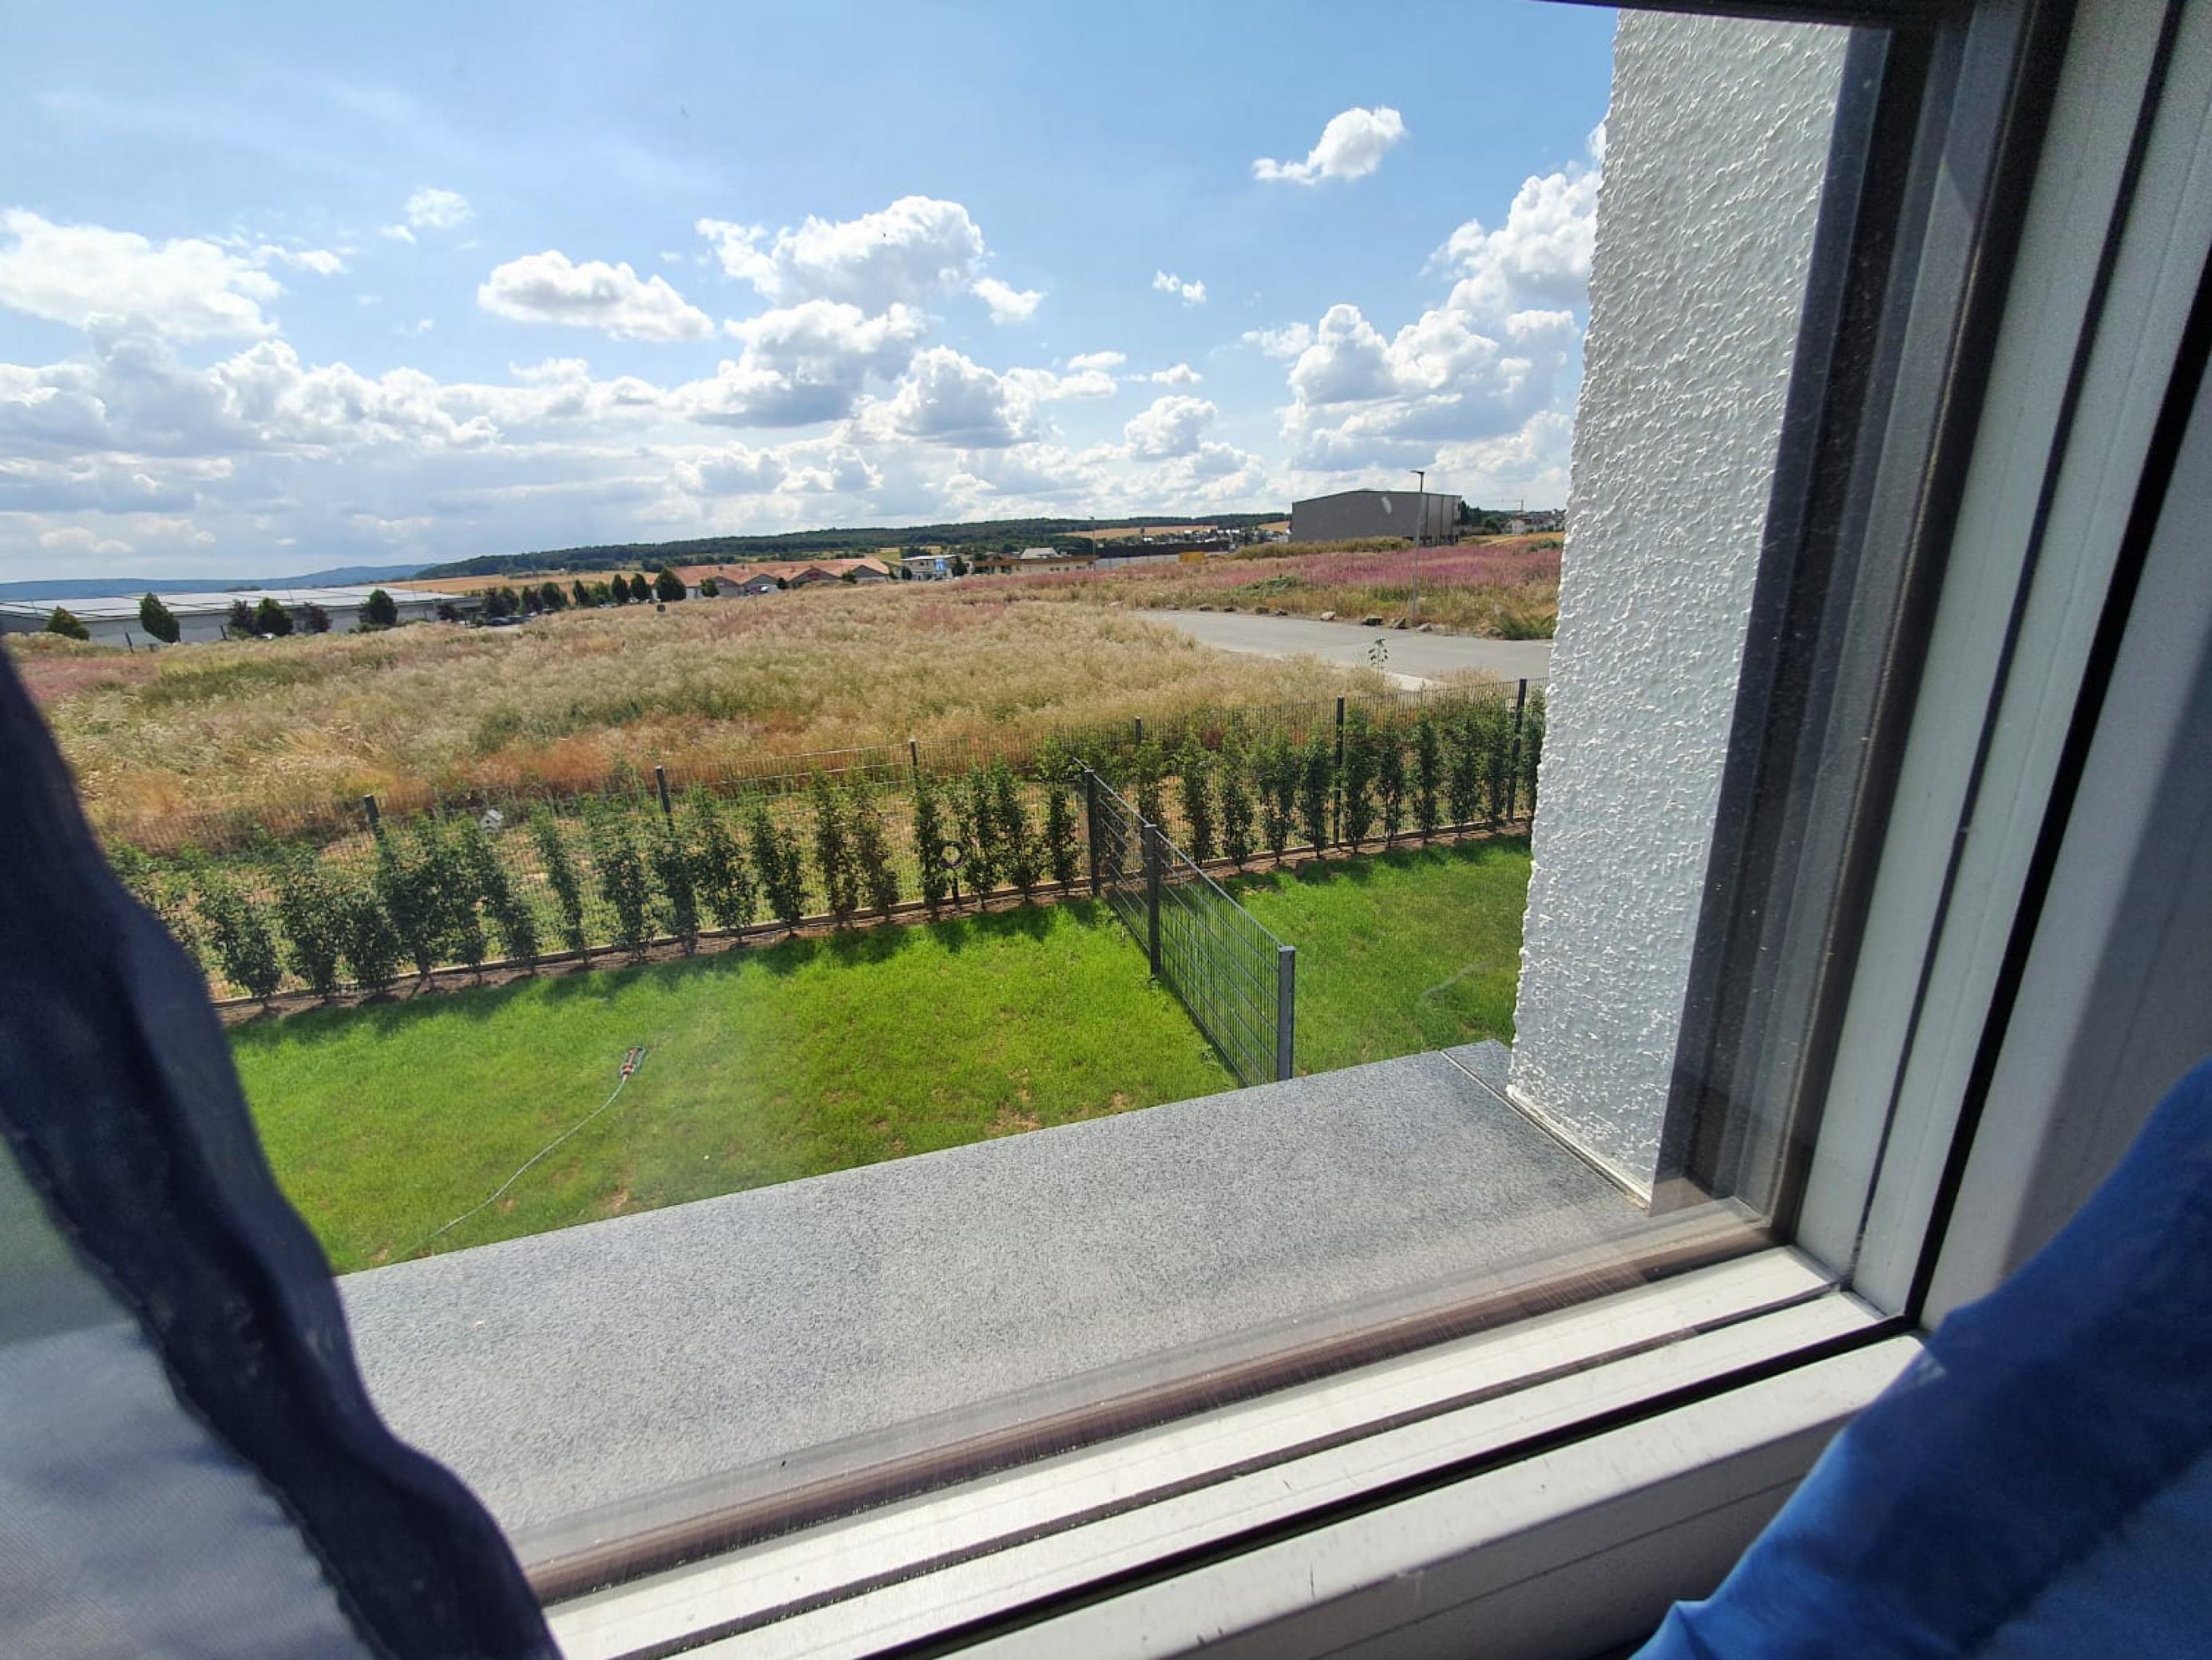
column 631, row 1062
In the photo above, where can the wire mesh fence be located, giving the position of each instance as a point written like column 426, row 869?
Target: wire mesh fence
column 1236, row 978
column 314, row 898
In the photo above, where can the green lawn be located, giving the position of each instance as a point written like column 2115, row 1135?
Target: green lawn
column 812, row 1055
column 1402, row 952
column 764, row 1065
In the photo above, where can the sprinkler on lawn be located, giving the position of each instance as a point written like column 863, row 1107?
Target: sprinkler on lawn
column 949, row 855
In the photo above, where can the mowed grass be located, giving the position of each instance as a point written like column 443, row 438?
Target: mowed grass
column 1399, row 953
column 763, row 1065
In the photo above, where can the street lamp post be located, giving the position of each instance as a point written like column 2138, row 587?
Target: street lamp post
column 1420, row 535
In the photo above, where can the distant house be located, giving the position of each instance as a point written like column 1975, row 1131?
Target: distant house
column 993, row 564
column 812, row 576
column 866, row 570
column 760, row 583
column 928, row 567
column 1516, row 527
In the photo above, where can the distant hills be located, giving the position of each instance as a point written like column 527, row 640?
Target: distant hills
column 805, row 544
column 108, row 587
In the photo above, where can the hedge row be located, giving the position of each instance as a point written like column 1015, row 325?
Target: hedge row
column 620, row 871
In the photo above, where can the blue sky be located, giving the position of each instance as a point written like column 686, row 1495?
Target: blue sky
column 285, row 288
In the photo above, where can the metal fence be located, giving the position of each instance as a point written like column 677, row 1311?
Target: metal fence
column 1238, row 981
column 557, row 859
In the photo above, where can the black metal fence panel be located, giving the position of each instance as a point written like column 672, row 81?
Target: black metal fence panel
column 1235, row 977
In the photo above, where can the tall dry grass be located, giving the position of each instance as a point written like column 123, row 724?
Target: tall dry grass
column 1506, row 589
column 276, row 725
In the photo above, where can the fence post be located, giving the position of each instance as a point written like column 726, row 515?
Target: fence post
column 1286, row 988
column 660, row 783
column 1140, row 731
column 1513, row 767
column 914, row 755
column 1336, row 783
column 1151, row 839
column 1091, row 825
column 375, row 819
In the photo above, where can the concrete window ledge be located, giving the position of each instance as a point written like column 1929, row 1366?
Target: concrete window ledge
column 607, row 1363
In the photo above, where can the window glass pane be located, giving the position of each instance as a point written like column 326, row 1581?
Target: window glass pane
column 1105, row 799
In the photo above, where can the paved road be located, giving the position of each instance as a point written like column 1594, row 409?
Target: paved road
column 1413, row 657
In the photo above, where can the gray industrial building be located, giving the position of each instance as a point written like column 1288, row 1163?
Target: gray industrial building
column 1427, row 517
column 201, row 617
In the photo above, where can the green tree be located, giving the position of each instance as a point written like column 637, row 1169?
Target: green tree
column 1195, row 783
column 367, row 941
column 725, row 885
column 157, row 619
column 929, row 838
column 315, row 619
column 1275, row 771
column 1357, row 785
column 979, row 831
column 618, row 589
column 239, row 624
column 1316, row 776
column 1497, row 757
column 511, row 918
column 1233, row 784
column 623, row 882
column 1024, row 858
column 561, row 876
column 406, row 886
column 1463, row 767
column 270, row 620
column 379, row 609
column 583, row 597
column 675, row 868
column 533, row 602
column 709, row 588
column 1532, row 752
column 550, row 596
column 1148, row 768
column 1062, row 853
column 238, row 929
column 1428, row 774
column 63, row 623
column 668, row 587
column 872, row 855
column 782, row 870
column 833, row 852
column 310, row 910
column 1390, row 780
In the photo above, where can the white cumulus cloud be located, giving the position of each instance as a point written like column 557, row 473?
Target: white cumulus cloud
column 804, row 363
column 430, row 209
column 1351, row 146
column 1191, row 293
column 1175, row 375
column 186, row 287
column 1008, row 304
column 550, row 287
column 1098, row 359
column 1285, row 342
column 914, row 249
column 1171, row 427
column 1541, row 254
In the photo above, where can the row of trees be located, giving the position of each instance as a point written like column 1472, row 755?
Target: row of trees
column 1461, row 767
column 456, row 890
column 666, row 587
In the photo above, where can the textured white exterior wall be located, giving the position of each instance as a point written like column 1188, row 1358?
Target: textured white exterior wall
column 1716, row 146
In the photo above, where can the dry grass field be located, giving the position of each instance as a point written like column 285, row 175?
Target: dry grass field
column 273, row 724
column 1504, row 587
